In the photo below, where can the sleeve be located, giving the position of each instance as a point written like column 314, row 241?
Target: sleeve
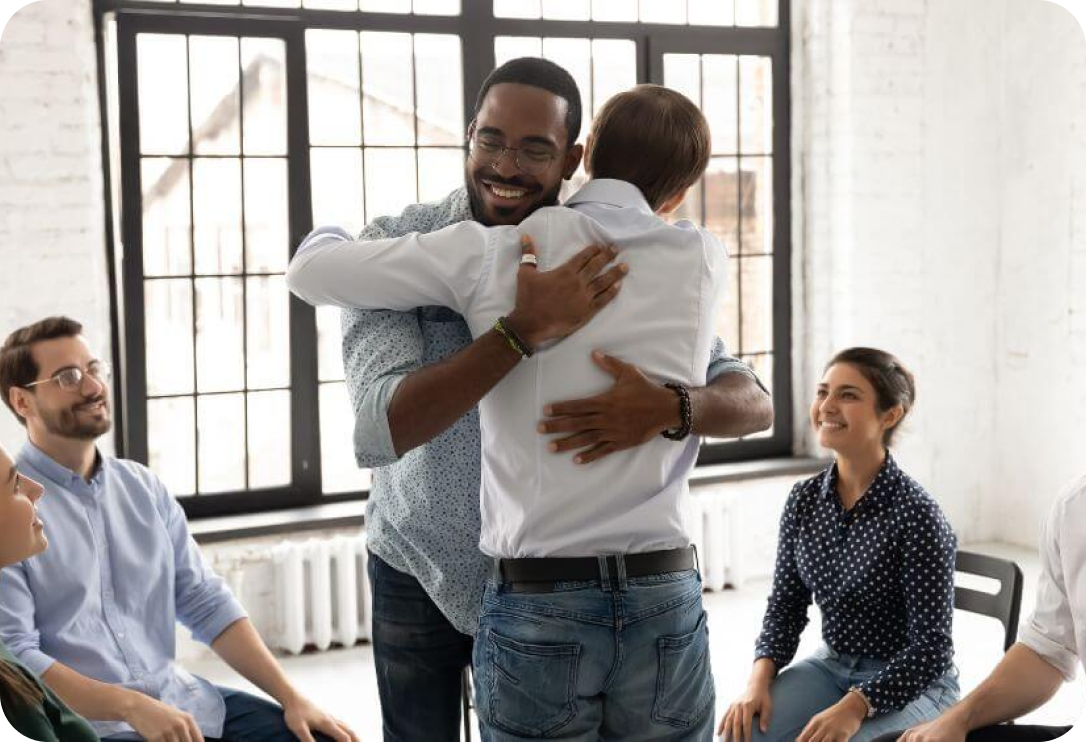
column 786, row 615
column 927, row 574
column 721, row 363
column 205, row 605
column 1050, row 629
column 18, row 627
column 401, row 273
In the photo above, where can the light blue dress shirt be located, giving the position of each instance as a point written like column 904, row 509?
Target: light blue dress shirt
column 121, row 569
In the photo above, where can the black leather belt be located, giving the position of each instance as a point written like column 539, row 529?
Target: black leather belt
column 538, row 574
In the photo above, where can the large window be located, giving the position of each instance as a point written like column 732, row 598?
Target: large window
column 237, row 127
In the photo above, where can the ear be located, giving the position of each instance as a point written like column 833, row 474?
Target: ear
column 587, row 154
column 672, row 203
column 893, row 417
column 471, row 130
column 572, row 160
column 20, row 401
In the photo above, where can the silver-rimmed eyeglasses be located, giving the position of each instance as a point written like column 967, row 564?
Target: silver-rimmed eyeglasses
column 71, row 378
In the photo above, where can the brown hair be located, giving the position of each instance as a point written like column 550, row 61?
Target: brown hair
column 893, row 383
column 16, row 687
column 652, row 137
column 17, row 365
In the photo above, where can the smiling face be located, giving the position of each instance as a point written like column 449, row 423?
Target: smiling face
column 22, row 534
column 81, row 413
column 533, row 122
column 845, row 412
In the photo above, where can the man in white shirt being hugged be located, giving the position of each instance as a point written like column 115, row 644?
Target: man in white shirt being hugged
column 1051, row 644
column 592, row 626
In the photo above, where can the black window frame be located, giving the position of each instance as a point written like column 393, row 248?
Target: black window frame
column 477, row 28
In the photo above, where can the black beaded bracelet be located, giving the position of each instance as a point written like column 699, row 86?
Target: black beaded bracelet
column 686, row 414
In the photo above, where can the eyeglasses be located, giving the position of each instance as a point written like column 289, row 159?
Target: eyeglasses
column 71, row 378
column 532, row 160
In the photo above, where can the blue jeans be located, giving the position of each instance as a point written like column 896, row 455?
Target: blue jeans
column 594, row 661
column 811, row 686
column 419, row 658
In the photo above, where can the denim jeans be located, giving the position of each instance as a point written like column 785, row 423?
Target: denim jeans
column 595, row 660
column 811, row 686
column 419, row 658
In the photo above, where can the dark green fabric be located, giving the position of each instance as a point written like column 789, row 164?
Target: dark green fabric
column 51, row 721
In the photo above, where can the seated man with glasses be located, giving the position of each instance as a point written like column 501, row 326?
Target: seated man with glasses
column 94, row 616
column 592, row 626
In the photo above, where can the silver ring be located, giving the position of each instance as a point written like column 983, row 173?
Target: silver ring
column 529, row 259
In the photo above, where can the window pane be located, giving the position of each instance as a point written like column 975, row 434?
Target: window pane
column 171, row 443
column 386, row 6
column 214, row 2
column 267, row 328
column 712, row 12
column 575, row 55
column 756, row 205
column 216, row 111
column 440, row 171
column 269, row 439
column 517, row 9
column 335, row 113
column 329, row 344
column 691, row 207
column 390, row 181
column 331, row 4
column 727, row 322
column 267, row 237
column 440, row 89
column 220, row 420
column 614, row 10
column 216, row 207
column 388, row 107
column 264, row 62
column 566, row 10
column 336, row 177
column 338, row 468
column 167, row 306
column 756, row 86
column 273, row 3
column 167, row 223
column 663, row 11
column 756, row 287
column 682, row 72
column 614, row 69
column 220, row 365
column 437, row 7
column 163, row 94
column 720, row 104
column 756, row 12
column 511, row 47
column 722, row 201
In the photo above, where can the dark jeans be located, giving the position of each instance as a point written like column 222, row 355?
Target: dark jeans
column 1005, row 733
column 419, row 658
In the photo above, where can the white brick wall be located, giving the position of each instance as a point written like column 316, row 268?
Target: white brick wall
column 52, row 217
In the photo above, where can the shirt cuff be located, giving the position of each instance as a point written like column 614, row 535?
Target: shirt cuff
column 372, row 437
column 1052, row 652
column 36, row 661
column 733, row 366
column 330, row 234
column 230, row 612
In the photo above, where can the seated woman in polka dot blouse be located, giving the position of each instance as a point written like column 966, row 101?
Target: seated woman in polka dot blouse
column 876, row 554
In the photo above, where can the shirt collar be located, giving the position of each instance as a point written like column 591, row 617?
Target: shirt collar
column 887, row 474
column 58, row 473
column 612, row 192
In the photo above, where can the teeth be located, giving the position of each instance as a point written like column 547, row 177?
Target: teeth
column 507, row 192
column 832, row 426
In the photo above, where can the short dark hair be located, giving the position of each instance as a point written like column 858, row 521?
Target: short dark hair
column 17, row 365
column 652, row 137
column 893, row 383
column 546, row 75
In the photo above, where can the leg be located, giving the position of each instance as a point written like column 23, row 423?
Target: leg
column 801, row 691
column 940, row 696
column 253, row 719
column 419, row 658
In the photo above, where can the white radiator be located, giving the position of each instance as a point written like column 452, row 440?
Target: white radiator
column 713, row 521
column 322, row 593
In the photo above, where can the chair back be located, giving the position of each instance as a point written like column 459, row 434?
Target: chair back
column 1004, row 606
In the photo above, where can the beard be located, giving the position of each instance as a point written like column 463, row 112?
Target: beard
column 67, row 424
column 479, row 207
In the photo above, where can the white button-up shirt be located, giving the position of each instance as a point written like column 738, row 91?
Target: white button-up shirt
column 1057, row 628
column 534, row 502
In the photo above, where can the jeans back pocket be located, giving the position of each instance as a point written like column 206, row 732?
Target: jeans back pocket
column 684, row 681
column 531, row 686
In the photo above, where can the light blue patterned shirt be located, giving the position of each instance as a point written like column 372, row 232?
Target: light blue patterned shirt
column 121, row 569
column 423, row 512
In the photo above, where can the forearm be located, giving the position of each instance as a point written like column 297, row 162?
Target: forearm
column 241, row 647
column 89, row 698
column 730, row 406
column 1020, row 683
column 428, row 401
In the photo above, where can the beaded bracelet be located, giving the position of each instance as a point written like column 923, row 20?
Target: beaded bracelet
column 686, row 414
column 512, row 338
